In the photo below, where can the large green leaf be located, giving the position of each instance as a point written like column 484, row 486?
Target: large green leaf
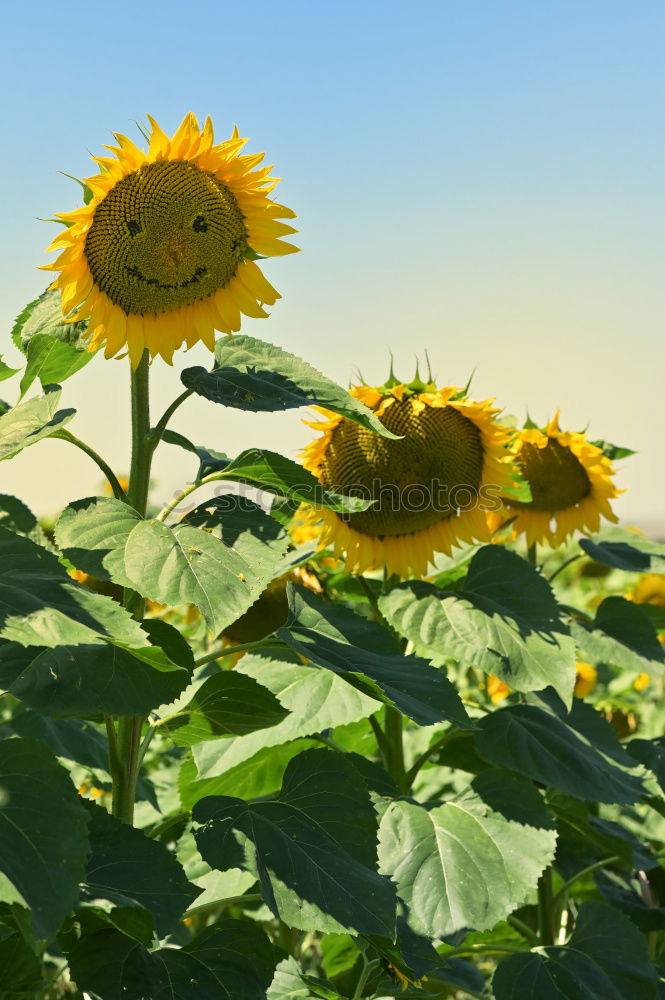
column 605, row 959
column 316, row 700
column 43, row 832
column 230, row 960
column 67, row 650
column 41, row 605
column 368, row 656
column 7, row 372
column 470, row 862
column 15, row 515
column 222, row 576
column 288, row 983
column 621, row 549
column 44, row 316
column 227, row 704
column 622, row 635
column 503, row 620
column 52, row 361
column 283, row 477
column 91, row 678
column 261, row 774
column 129, row 869
column 313, row 848
column 74, row 739
column 20, row 969
column 253, row 375
column 32, row 421
column 549, row 750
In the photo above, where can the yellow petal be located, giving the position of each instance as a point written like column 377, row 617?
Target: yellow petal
column 256, row 283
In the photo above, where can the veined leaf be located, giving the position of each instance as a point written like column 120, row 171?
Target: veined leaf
column 316, row 700
column 43, row 832
column 542, row 746
column 227, row 704
column 471, row 862
column 15, row 515
column 32, row 421
column 222, row 576
column 44, row 316
column 52, row 361
column 229, row 960
column 621, row 549
column 368, row 656
column 267, row 470
column 254, row 375
column 129, row 869
column 504, row 620
column 313, row 848
column 622, row 635
column 605, row 959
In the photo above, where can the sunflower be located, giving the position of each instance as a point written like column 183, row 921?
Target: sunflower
column 649, row 589
column 570, row 481
column 429, row 488
column 164, row 252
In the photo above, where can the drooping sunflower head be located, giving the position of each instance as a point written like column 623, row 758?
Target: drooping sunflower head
column 164, row 252
column 571, row 484
column 430, row 488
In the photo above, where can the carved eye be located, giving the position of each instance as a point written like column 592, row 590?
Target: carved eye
column 134, row 227
column 199, row 225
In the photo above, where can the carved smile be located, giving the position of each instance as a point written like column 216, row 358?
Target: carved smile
column 156, row 283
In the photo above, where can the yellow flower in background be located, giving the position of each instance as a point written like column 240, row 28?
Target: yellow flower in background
column 164, row 252
column 497, row 689
column 649, row 589
column 585, row 679
column 571, row 485
column 641, row 682
column 428, row 486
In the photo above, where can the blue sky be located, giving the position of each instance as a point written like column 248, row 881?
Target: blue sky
column 483, row 180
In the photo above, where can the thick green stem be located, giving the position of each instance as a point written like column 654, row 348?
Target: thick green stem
column 395, row 747
column 546, row 908
column 130, row 726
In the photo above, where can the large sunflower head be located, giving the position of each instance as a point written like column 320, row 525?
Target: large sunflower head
column 571, row 484
column 430, row 488
column 164, row 252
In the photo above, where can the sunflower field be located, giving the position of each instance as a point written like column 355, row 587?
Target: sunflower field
column 384, row 721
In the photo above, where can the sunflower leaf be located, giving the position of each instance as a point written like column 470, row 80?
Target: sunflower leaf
column 65, row 650
column 221, row 573
column 605, row 959
column 621, row 635
column 227, row 704
column 368, row 656
column 469, row 862
column 561, row 753
column 267, row 470
column 43, row 831
column 621, row 549
column 504, row 620
column 254, row 375
column 230, row 958
column 127, row 868
column 44, row 316
column 15, row 515
column 52, row 360
column 32, row 421
column 7, row 372
column 313, row 847
column 316, row 700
